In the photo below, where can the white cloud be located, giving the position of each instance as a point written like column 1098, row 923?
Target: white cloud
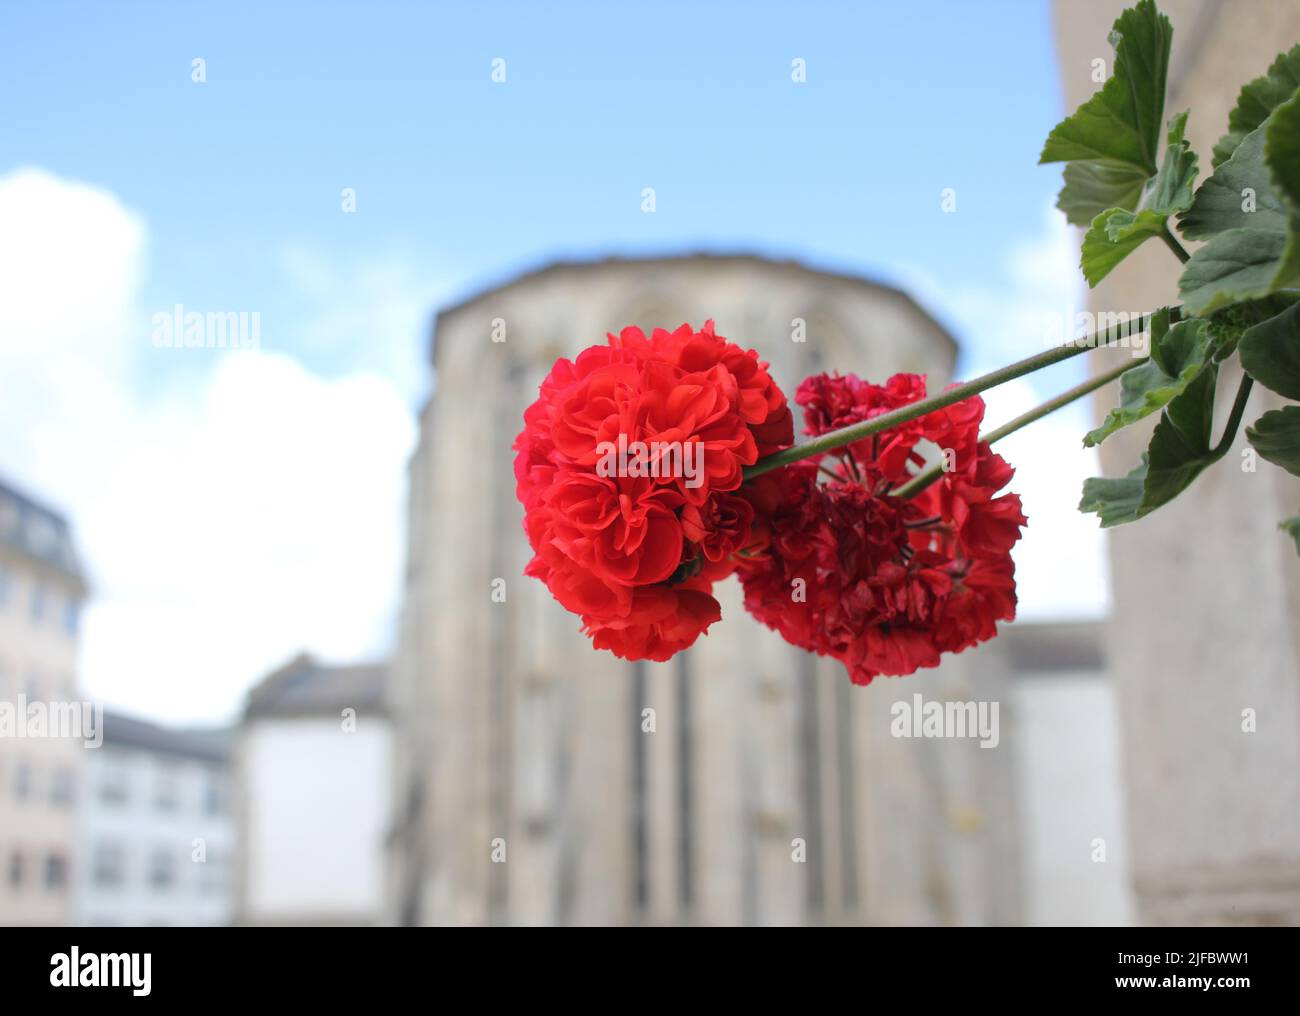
column 70, row 260
column 226, row 524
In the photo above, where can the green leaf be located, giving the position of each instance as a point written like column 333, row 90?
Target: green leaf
column 1270, row 352
column 1180, row 446
column 1291, row 527
column 1112, row 139
column 1115, row 501
column 1276, row 436
column 1178, row 355
column 1092, row 188
column 1179, row 452
column 1117, row 232
column 1254, row 249
column 1258, row 99
column 1229, row 325
column 1114, row 235
column 1220, row 203
column 1282, row 150
column 1282, row 153
column 1171, row 191
column 1240, row 264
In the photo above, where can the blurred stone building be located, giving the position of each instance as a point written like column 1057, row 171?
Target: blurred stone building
column 770, row 791
column 41, row 593
column 155, row 832
column 1206, row 590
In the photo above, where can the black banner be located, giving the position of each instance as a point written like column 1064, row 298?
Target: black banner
column 336, row 965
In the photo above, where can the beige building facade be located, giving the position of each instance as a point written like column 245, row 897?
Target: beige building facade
column 41, row 593
column 533, row 787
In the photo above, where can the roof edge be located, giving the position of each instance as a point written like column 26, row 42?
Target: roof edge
column 552, row 266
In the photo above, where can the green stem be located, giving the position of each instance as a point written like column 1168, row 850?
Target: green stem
column 1064, row 399
column 904, row 414
column 922, row 480
column 1234, row 418
column 1172, row 243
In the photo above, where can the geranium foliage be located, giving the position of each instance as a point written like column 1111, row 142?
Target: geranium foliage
column 1238, row 289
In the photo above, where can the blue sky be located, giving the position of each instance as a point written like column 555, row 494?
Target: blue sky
column 129, row 188
column 468, row 180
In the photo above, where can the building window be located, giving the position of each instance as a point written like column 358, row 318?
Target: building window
column 685, row 765
column 15, row 873
column 38, row 603
column 71, row 617
column 640, row 799
column 108, row 867
column 113, row 782
column 162, row 869
column 166, row 796
column 62, row 786
column 56, row 871
column 212, row 875
column 810, row 756
column 214, row 796
column 22, row 780
column 5, row 583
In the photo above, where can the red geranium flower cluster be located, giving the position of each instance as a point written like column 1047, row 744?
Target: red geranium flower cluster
column 628, row 467
column 883, row 583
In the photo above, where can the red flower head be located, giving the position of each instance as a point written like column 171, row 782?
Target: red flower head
column 882, row 583
column 626, row 467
